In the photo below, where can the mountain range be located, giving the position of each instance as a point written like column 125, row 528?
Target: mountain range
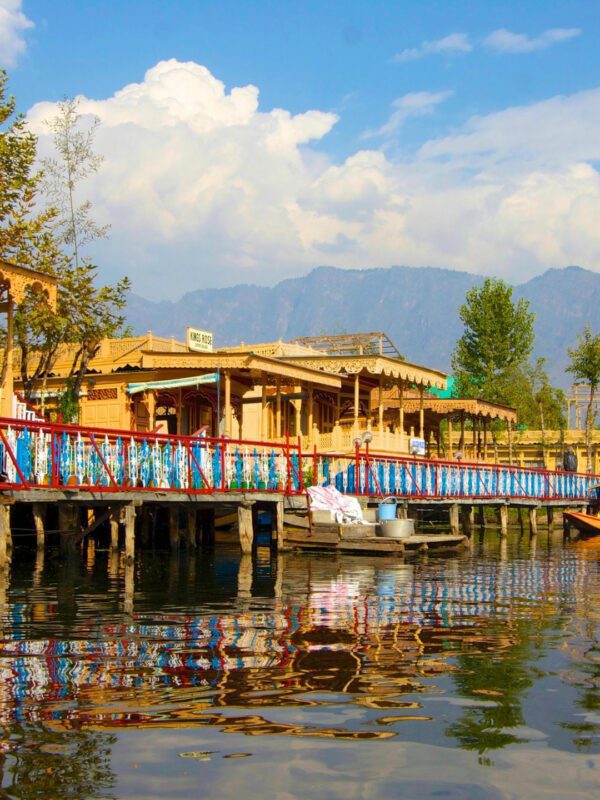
column 416, row 306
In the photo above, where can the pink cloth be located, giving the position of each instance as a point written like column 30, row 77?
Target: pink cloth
column 343, row 509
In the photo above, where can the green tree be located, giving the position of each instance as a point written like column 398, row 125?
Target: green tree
column 86, row 312
column 75, row 160
column 585, row 366
column 26, row 234
column 497, row 341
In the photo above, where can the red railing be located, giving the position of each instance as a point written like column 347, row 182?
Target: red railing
column 43, row 454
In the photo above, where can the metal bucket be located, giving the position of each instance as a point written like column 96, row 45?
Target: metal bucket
column 397, row 528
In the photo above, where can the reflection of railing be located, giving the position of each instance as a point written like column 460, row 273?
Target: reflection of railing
column 52, row 455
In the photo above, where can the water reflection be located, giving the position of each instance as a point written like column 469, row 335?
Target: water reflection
column 497, row 647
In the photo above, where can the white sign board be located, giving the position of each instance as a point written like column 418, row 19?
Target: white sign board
column 199, row 341
column 417, row 447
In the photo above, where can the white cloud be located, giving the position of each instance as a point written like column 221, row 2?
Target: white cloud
column 504, row 41
column 203, row 188
column 450, row 45
column 13, row 23
column 414, row 104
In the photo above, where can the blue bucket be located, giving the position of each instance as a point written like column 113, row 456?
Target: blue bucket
column 386, row 511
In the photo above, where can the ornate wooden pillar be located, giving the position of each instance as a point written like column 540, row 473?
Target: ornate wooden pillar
column 402, row 443
column 310, row 415
column 356, row 400
column 421, row 412
column 264, row 420
column 227, row 402
column 8, row 385
column 380, row 404
column 278, row 433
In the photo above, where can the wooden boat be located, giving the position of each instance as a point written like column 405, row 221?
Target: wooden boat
column 586, row 524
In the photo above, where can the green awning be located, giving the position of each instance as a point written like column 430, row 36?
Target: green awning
column 176, row 383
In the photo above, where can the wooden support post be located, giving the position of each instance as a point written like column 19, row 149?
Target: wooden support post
column 401, row 442
column 174, row 527
column 421, row 412
column 467, row 518
column 453, row 513
column 227, row 403
column 129, row 523
column 246, row 529
column 380, row 405
column 207, row 517
column 481, row 516
column 4, row 533
column 191, row 529
column 68, row 525
column 510, row 443
column 520, row 517
column 278, row 428
column 114, row 528
column 533, row 521
column 39, row 514
column 503, row 521
column 356, row 401
column 264, row 421
column 550, row 518
column 278, row 514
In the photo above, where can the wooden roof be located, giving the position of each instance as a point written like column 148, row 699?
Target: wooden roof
column 374, row 365
column 246, row 361
column 444, row 406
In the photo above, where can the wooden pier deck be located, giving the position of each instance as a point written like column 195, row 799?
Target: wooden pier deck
column 80, row 482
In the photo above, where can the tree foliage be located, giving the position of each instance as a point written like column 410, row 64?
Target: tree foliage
column 75, row 160
column 585, row 368
column 49, row 240
column 497, row 341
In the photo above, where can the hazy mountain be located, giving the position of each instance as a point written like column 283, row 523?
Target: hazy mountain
column 416, row 307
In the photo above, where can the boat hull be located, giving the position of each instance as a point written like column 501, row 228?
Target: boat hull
column 586, row 524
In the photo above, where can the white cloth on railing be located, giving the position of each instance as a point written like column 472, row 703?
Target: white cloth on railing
column 343, row 509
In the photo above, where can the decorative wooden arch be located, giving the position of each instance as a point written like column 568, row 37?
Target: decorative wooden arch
column 14, row 284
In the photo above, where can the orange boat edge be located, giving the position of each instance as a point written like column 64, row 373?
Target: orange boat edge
column 586, row 524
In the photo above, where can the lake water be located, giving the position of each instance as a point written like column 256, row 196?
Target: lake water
column 303, row 676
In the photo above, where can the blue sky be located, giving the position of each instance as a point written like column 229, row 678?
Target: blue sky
column 377, row 133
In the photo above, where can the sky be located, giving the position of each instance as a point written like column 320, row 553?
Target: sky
column 251, row 141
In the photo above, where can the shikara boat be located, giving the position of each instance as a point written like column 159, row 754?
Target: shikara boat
column 586, row 524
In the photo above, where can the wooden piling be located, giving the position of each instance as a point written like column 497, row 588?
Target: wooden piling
column 68, row 525
column 4, row 534
column 207, row 518
column 174, row 527
column 533, row 521
column 466, row 516
column 114, row 528
column 550, row 518
column 503, row 521
column 453, row 514
column 279, row 525
column 190, row 533
column 39, row 516
column 481, row 516
column 129, row 523
column 246, row 529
